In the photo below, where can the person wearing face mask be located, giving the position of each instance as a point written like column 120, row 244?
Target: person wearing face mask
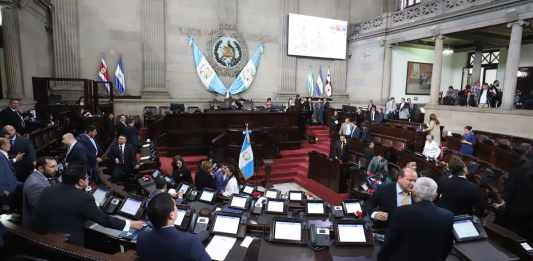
column 34, row 185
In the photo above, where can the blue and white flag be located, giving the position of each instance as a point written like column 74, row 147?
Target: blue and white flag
column 310, row 84
column 205, row 72
column 246, row 157
column 120, row 79
column 247, row 75
column 319, row 84
column 328, row 88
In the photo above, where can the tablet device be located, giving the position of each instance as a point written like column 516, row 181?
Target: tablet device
column 315, row 207
column 207, row 196
column 183, row 213
column 352, row 232
column 226, row 224
column 276, row 206
column 297, row 196
column 183, row 188
column 240, row 202
column 248, row 189
column 287, row 230
column 131, row 208
column 350, row 207
column 100, row 196
column 466, row 229
column 272, row 194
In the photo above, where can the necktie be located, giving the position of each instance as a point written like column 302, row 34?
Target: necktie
column 122, row 154
column 405, row 198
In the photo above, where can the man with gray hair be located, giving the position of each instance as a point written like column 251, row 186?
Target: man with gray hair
column 421, row 231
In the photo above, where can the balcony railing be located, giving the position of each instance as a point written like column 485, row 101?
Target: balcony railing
column 425, row 11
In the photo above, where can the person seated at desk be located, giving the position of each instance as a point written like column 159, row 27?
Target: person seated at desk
column 378, row 172
column 204, row 176
column 347, row 128
column 65, row 208
column 180, row 172
column 76, row 152
column 458, row 194
column 122, row 156
column 468, row 141
column 232, row 179
column 165, row 242
column 421, row 231
column 220, row 178
column 22, row 153
column 388, row 197
column 34, row 185
column 431, row 149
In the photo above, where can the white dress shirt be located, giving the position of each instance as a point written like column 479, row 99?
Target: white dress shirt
column 232, row 187
column 431, row 150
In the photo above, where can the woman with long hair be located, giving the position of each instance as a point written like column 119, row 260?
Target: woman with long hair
column 233, row 178
column 204, row 176
column 180, row 172
column 434, row 128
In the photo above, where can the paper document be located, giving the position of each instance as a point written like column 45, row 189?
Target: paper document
column 219, row 247
column 247, row 241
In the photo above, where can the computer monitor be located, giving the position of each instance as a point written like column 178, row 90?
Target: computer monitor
column 465, row 229
column 240, row 202
column 131, row 208
column 248, row 189
column 226, row 224
column 183, row 188
column 351, row 207
column 272, row 194
column 207, row 196
column 315, row 207
column 276, row 206
column 287, row 230
column 352, row 232
column 100, row 196
column 296, row 196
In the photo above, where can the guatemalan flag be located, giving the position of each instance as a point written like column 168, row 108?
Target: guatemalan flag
column 246, row 157
column 103, row 74
column 204, row 70
column 120, row 79
column 327, row 88
column 319, row 84
column 310, row 84
column 247, row 75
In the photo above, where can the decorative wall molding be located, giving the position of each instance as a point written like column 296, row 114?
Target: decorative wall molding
column 154, row 48
column 288, row 63
column 66, row 38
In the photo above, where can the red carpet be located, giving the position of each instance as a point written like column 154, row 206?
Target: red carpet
column 293, row 166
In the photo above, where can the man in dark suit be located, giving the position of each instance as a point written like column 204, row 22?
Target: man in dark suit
column 341, row 149
column 165, row 242
column 132, row 134
column 122, row 156
column 8, row 181
column 121, row 125
column 76, row 152
column 11, row 116
column 22, row 153
column 93, row 150
column 459, row 195
column 34, row 185
column 388, row 197
column 65, row 208
column 421, row 231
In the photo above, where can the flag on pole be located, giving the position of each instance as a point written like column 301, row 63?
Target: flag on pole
column 310, row 84
column 247, row 75
column 246, row 157
column 103, row 74
column 327, row 89
column 120, row 79
column 207, row 75
column 319, row 84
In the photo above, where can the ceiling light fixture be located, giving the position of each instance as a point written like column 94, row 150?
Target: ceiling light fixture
column 447, row 51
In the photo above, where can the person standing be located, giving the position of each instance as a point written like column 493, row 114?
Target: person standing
column 93, row 150
column 76, row 152
column 468, row 141
column 421, row 231
column 8, row 181
column 431, row 149
column 434, row 128
column 34, row 185
column 390, row 109
column 11, row 116
column 22, row 153
column 122, row 156
column 347, row 128
column 403, row 110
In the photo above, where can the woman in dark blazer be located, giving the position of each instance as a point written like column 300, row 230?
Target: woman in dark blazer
column 180, row 172
column 204, row 176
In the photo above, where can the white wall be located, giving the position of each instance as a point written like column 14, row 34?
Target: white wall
column 526, row 56
column 400, row 57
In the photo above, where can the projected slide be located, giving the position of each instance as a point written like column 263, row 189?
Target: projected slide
column 317, row 37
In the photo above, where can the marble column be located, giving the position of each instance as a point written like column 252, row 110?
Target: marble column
column 476, row 67
column 154, row 49
column 66, row 38
column 387, row 72
column 513, row 61
column 11, row 35
column 437, row 71
column 288, row 63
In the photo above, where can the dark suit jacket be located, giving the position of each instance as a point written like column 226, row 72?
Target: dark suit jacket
column 24, row 167
column 65, row 209
column 204, row 180
column 91, row 150
column 341, row 154
column 8, row 181
column 34, row 185
column 129, row 157
column 78, row 155
column 9, row 117
column 132, row 135
column 384, row 199
column 170, row 244
column 460, row 196
column 418, row 232
column 182, row 175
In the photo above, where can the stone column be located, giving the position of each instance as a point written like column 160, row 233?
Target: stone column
column 288, row 63
column 513, row 60
column 66, row 38
column 11, row 35
column 437, row 70
column 476, row 70
column 387, row 72
column 154, row 49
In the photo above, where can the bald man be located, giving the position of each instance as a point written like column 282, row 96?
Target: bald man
column 76, row 152
column 22, row 153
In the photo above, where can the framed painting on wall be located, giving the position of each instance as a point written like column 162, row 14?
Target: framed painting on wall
column 418, row 78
